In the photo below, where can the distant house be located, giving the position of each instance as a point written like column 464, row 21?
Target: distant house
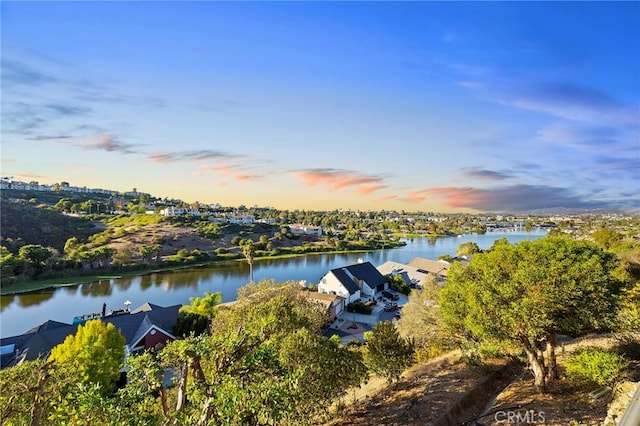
column 146, row 327
column 413, row 276
column 177, row 211
column 438, row 268
column 353, row 281
column 333, row 303
column 305, row 230
column 242, row 219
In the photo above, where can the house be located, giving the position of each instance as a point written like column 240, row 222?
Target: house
column 438, row 268
column 143, row 328
column 413, row 276
column 177, row 211
column 353, row 282
column 333, row 303
column 305, row 230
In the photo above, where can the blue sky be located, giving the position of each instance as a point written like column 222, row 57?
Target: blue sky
column 416, row 106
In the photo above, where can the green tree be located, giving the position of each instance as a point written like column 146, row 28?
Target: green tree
column 262, row 363
column 469, row 247
column 606, row 238
column 249, row 251
column 150, row 251
column 629, row 312
column 421, row 320
column 525, row 294
column 35, row 256
column 95, row 354
column 207, row 305
column 387, row 354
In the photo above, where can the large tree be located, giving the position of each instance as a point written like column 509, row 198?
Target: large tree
column 95, row 354
column 263, row 363
column 528, row 293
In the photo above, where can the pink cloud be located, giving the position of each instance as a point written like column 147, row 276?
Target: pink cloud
column 338, row 179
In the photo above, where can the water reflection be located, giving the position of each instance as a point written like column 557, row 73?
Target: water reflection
column 6, row 301
column 96, row 289
column 19, row 313
column 26, row 300
column 123, row 283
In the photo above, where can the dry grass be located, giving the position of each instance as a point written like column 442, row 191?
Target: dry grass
column 423, row 394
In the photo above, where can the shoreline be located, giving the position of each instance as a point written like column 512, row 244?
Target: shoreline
column 54, row 283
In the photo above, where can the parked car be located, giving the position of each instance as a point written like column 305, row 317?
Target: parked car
column 390, row 306
column 390, row 295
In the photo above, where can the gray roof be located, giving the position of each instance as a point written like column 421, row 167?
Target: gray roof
column 40, row 340
column 364, row 271
column 345, row 280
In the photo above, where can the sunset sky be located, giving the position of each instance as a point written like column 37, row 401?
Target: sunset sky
column 418, row 106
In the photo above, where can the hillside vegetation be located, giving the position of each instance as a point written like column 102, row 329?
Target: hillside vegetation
column 22, row 222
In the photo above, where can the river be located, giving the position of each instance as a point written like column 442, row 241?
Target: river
column 19, row 313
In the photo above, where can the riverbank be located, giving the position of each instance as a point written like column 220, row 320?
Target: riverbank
column 40, row 285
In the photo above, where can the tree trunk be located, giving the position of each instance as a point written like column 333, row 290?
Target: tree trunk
column 207, row 410
column 163, row 400
column 182, row 387
column 552, row 365
column 537, row 366
column 36, row 410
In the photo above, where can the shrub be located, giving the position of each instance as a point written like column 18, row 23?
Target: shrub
column 595, row 365
column 628, row 345
column 359, row 307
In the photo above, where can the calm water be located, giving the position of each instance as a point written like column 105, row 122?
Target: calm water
column 21, row 312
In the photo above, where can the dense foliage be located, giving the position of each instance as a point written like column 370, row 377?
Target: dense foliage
column 530, row 292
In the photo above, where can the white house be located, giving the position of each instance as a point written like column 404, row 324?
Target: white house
column 353, row 281
column 176, row 211
column 243, row 219
column 305, row 230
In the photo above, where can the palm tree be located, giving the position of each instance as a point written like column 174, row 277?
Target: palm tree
column 249, row 251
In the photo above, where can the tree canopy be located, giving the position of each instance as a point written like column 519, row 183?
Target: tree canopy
column 95, row 354
column 529, row 292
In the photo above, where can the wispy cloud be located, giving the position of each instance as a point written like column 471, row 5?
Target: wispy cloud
column 196, row 155
column 514, row 198
column 338, row 179
column 19, row 73
column 483, row 174
column 235, row 172
column 100, row 142
column 572, row 102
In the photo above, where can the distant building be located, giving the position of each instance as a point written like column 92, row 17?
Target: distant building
column 305, row 230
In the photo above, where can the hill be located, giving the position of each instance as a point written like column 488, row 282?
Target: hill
column 23, row 222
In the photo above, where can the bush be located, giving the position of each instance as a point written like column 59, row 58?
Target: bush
column 359, row 307
column 595, row 365
column 628, row 345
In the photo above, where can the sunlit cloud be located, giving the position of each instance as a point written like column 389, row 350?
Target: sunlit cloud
column 515, row 198
column 31, row 176
column 369, row 188
column 339, row 179
column 235, row 172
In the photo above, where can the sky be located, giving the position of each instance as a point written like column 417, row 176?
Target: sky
column 416, row 106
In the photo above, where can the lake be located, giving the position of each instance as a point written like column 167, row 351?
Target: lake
column 22, row 312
